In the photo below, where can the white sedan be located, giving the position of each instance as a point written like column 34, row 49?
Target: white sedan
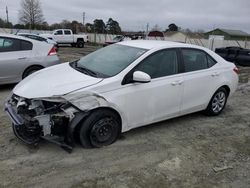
column 118, row 88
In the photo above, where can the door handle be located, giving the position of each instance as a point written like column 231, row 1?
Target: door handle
column 175, row 83
column 215, row 74
column 21, row 58
column 180, row 82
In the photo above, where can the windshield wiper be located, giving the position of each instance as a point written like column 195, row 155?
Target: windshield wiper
column 83, row 69
column 87, row 71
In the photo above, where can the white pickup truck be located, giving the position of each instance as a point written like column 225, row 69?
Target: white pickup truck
column 66, row 36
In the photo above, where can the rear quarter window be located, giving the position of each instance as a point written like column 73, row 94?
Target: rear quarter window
column 211, row 62
column 26, row 45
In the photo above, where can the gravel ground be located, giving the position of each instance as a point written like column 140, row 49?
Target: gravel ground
column 190, row 151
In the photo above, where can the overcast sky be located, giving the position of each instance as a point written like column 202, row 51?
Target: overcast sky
column 135, row 14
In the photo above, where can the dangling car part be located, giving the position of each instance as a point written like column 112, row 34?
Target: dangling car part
column 33, row 120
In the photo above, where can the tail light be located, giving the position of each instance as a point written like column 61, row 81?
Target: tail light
column 236, row 70
column 52, row 51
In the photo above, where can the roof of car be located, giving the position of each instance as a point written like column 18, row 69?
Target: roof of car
column 27, row 34
column 14, row 36
column 21, row 38
column 153, row 44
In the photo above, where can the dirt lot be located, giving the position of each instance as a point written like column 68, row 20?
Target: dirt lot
column 182, row 152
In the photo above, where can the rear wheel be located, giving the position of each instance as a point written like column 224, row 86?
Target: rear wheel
column 217, row 103
column 101, row 128
column 80, row 44
column 31, row 70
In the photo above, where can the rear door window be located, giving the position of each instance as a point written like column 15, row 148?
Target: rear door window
column 194, row 60
column 67, row 32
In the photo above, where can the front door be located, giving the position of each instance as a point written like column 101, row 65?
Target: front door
column 159, row 99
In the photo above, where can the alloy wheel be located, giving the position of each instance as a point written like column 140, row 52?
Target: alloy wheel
column 218, row 102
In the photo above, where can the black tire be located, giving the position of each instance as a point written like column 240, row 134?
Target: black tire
column 217, row 102
column 80, row 44
column 100, row 128
column 22, row 134
column 31, row 70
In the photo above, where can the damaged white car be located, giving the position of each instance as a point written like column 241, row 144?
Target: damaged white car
column 118, row 88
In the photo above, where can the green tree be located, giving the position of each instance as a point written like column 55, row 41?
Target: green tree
column 89, row 28
column 4, row 24
column 19, row 26
column 113, row 27
column 172, row 27
column 99, row 26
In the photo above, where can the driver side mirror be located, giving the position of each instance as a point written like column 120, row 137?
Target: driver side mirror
column 141, row 77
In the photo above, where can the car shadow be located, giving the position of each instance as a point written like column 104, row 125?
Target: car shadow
column 165, row 124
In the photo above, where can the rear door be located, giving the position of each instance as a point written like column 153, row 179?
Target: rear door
column 14, row 56
column 200, row 79
column 68, row 36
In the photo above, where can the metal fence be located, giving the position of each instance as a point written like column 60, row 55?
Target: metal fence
column 102, row 38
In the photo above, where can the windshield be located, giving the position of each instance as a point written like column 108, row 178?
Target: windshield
column 111, row 60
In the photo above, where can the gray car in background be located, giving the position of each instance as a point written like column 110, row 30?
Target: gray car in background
column 39, row 38
column 20, row 57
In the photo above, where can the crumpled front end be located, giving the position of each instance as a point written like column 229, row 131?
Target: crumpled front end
column 50, row 119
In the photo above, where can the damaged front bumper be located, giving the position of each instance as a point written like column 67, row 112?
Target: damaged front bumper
column 33, row 120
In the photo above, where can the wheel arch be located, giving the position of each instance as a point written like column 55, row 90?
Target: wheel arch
column 32, row 66
column 77, row 127
column 227, row 88
column 80, row 40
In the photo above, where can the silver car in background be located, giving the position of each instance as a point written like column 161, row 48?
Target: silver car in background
column 20, row 57
column 38, row 38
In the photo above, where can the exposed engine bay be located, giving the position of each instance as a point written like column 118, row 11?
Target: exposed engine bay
column 35, row 119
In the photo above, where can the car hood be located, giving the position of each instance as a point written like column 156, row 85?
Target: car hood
column 54, row 81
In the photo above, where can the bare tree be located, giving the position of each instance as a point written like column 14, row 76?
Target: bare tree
column 31, row 13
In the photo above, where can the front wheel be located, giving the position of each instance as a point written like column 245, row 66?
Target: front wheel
column 217, row 103
column 101, row 128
